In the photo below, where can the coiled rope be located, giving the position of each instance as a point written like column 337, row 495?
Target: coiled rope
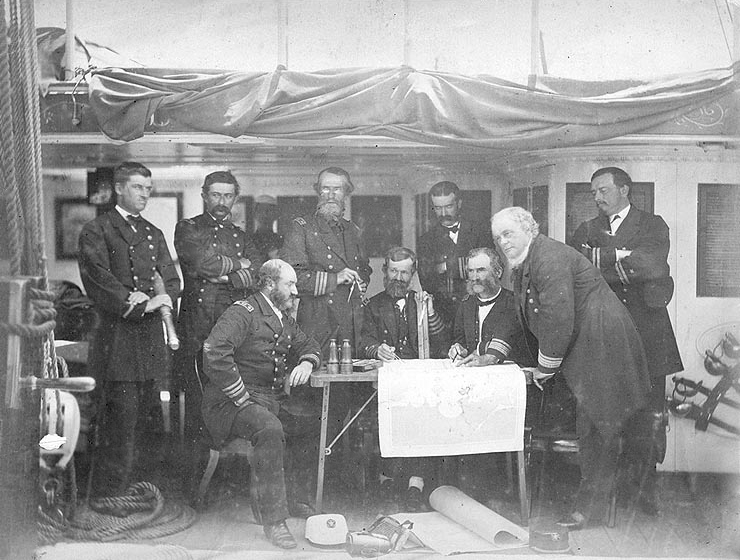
column 141, row 513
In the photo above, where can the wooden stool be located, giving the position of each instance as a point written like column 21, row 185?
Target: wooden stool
column 237, row 447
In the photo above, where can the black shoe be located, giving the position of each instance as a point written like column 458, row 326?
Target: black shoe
column 573, row 522
column 279, row 535
column 414, row 501
column 302, row 510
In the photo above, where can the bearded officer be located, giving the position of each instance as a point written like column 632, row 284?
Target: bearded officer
column 389, row 332
column 333, row 272
column 219, row 263
column 254, row 356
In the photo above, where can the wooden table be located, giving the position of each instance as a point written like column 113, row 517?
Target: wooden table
column 324, row 380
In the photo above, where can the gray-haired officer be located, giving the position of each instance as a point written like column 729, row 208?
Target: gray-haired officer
column 254, row 352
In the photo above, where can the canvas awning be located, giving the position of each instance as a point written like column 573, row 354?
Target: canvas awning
column 400, row 103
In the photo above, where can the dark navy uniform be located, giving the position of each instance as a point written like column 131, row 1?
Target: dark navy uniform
column 384, row 324
column 584, row 332
column 443, row 263
column 317, row 252
column 247, row 357
column 128, row 353
column 207, row 249
column 502, row 334
column 642, row 283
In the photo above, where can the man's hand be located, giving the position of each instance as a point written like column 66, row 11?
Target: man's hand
column 158, row 301
column 347, row 276
column 456, row 352
column 135, row 298
column 387, row 353
column 218, row 279
column 474, row 360
column 246, row 263
column 537, row 376
column 301, row 374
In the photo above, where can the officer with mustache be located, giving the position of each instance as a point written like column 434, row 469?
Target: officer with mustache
column 219, row 262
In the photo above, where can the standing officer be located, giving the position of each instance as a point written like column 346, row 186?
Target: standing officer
column 253, row 357
column 582, row 332
column 120, row 254
column 443, row 249
column 389, row 332
column 219, row 262
column 630, row 248
column 333, row 272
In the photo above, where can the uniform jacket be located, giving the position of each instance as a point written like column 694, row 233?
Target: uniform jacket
column 381, row 325
column 502, row 333
column 209, row 249
column 583, row 330
column 443, row 264
column 114, row 261
column 317, row 254
column 641, row 281
column 249, row 350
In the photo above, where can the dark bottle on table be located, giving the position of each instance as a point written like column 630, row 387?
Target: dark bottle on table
column 345, row 364
column 332, row 363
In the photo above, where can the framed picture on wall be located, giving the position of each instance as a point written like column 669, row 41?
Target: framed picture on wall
column 70, row 215
column 580, row 206
column 164, row 210
column 380, row 222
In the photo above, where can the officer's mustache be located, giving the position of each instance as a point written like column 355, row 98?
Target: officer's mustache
column 220, row 208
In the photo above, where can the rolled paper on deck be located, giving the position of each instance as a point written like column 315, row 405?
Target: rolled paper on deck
column 474, row 516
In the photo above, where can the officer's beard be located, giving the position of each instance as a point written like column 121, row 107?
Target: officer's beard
column 283, row 302
column 395, row 288
column 489, row 285
column 331, row 209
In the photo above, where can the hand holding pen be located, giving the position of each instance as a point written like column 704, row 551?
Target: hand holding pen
column 456, row 353
column 387, row 353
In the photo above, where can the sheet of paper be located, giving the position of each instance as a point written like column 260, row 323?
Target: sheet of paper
column 430, row 408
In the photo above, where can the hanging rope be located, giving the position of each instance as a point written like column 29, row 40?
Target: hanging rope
column 8, row 185
column 27, row 131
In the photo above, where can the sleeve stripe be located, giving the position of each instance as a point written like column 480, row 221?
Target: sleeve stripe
column 244, row 276
column 313, row 358
column 596, row 257
column 462, row 263
column 499, row 346
column 235, row 389
column 322, row 279
column 227, row 265
column 436, row 325
column 548, row 361
column 622, row 274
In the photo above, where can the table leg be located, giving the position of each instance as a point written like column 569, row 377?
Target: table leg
column 524, row 502
column 322, row 448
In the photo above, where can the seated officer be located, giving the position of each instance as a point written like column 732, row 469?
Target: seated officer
column 390, row 332
column 248, row 357
column 487, row 330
